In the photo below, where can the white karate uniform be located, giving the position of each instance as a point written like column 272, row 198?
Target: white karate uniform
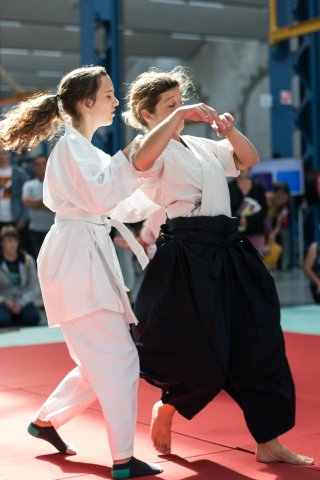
column 83, row 288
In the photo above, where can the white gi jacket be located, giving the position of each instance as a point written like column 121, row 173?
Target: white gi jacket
column 78, row 268
column 191, row 181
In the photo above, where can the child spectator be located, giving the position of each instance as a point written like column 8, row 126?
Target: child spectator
column 19, row 286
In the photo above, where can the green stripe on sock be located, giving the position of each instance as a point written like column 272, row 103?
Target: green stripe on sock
column 33, row 431
column 121, row 473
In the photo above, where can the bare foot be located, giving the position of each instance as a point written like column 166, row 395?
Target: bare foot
column 160, row 430
column 273, row 451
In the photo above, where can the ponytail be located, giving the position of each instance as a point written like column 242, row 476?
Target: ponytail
column 30, row 122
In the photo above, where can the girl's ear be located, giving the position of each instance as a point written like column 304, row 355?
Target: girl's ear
column 86, row 104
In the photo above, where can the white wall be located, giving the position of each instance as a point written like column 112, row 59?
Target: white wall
column 230, row 76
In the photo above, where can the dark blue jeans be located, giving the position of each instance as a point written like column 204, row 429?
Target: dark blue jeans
column 28, row 316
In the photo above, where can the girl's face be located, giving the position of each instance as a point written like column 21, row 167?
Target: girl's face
column 169, row 101
column 103, row 110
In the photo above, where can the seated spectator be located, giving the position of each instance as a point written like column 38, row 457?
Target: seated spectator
column 12, row 210
column 312, row 269
column 18, row 282
column 248, row 202
column 41, row 218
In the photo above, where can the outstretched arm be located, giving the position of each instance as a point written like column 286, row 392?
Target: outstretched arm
column 157, row 139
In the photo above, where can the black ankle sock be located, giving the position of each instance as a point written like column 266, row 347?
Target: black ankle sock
column 134, row 468
column 49, row 434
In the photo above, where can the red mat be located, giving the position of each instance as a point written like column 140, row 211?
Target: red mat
column 215, row 444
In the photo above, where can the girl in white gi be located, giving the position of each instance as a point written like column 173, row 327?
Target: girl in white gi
column 80, row 278
column 209, row 316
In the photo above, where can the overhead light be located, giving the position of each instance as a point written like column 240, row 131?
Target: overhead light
column 49, row 73
column 186, row 36
column 205, row 4
column 169, row 2
column 14, row 51
column 47, row 53
column 10, row 23
column 71, row 28
column 191, row 3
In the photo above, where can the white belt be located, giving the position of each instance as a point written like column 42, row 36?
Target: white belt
column 134, row 245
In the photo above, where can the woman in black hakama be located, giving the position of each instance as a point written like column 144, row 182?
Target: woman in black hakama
column 208, row 310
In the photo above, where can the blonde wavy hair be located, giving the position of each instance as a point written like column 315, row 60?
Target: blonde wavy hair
column 40, row 117
column 144, row 92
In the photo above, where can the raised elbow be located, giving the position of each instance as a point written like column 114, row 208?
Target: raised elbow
column 255, row 159
column 141, row 164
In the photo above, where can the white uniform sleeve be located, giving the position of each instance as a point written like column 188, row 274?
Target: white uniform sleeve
column 98, row 189
column 134, row 209
column 151, row 227
column 157, row 167
column 223, row 150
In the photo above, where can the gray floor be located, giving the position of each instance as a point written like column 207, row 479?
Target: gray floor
column 293, row 287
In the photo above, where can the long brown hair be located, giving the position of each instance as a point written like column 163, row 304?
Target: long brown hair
column 144, row 92
column 32, row 121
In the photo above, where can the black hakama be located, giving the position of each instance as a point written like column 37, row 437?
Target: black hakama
column 209, row 319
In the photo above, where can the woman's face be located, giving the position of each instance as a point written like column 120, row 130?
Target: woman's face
column 104, row 107
column 281, row 198
column 168, row 102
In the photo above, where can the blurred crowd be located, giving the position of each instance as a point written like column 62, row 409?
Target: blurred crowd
column 24, row 223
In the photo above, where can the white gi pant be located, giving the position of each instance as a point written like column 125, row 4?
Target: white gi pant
column 108, row 369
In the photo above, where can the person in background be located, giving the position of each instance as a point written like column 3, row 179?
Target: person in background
column 41, row 218
column 248, row 202
column 312, row 269
column 12, row 209
column 278, row 224
column 19, row 287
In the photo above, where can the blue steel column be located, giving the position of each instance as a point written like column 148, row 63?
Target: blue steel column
column 103, row 14
column 307, row 67
column 282, row 115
